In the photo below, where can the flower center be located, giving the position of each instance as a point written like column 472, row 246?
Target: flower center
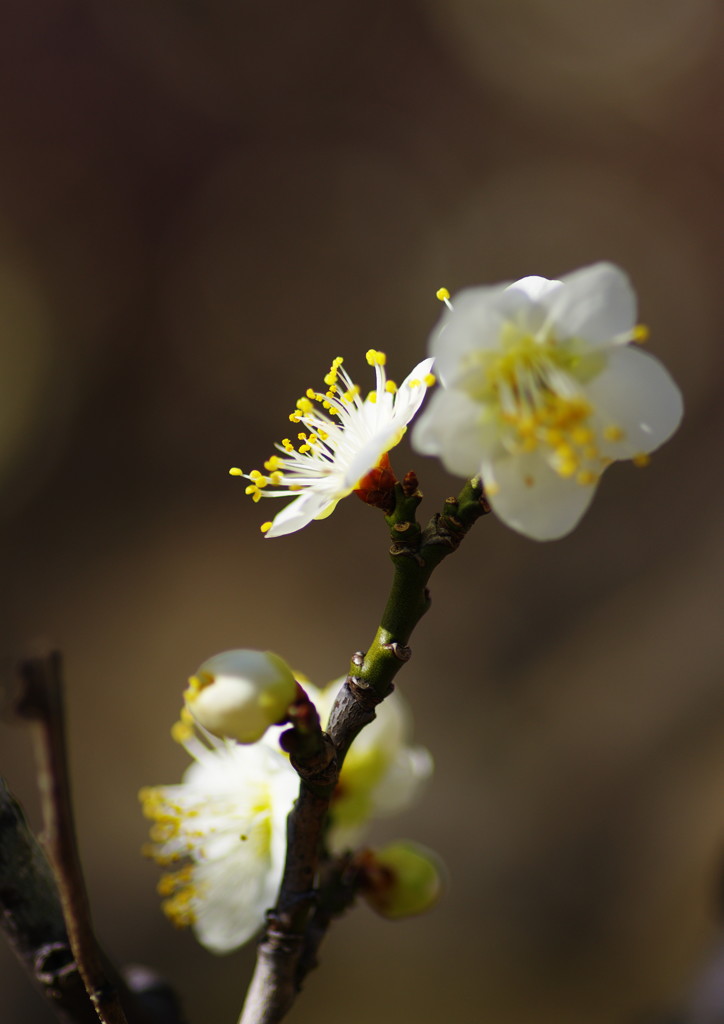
column 530, row 388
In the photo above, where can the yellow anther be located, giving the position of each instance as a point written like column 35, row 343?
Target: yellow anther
column 256, row 475
column 641, row 460
column 265, row 527
column 295, row 417
column 273, row 463
column 287, row 445
column 323, row 435
column 414, row 383
column 302, row 436
column 586, row 477
column 566, row 468
column 304, row 405
column 613, row 433
column 581, row 435
column 554, row 438
column 181, row 732
column 443, row 295
column 251, row 489
column 375, row 358
column 311, row 394
column 391, row 387
column 430, row 379
column 304, row 448
column 372, row 397
column 276, row 478
column 235, row 471
column 640, row 334
column 256, row 497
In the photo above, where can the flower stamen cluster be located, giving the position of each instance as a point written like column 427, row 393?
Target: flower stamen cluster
column 345, row 436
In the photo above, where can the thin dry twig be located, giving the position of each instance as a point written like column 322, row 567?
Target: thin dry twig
column 41, row 703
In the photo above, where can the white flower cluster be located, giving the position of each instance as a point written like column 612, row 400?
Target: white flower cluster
column 540, row 390
column 221, row 832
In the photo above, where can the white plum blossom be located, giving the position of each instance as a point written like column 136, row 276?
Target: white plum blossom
column 221, row 832
column 345, row 437
column 541, row 391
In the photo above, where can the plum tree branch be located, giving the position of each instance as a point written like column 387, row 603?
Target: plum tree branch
column 294, row 930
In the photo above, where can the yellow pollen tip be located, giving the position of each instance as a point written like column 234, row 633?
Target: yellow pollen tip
column 391, row 387
column 613, row 433
column 429, row 379
column 442, row 294
column 640, row 334
column 235, row 471
column 265, row 527
column 641, row 460
column 375, row 358
column 181, row 732
column 586, row 477
column 372, row 397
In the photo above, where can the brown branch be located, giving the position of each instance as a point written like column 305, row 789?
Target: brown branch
column 294, row 932
column 42, row 704
column 32, row 917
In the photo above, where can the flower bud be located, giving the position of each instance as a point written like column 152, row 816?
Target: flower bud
column 402, row 879
column 239, row 694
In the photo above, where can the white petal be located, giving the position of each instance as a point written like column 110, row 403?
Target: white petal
column 635, row 393
column 535, row 287
column 299, row 512
column 596, row 304
column 450, row 428
column 235, row 892
column 532, row 498
column 369, row 455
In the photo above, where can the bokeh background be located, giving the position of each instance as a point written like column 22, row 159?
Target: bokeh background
column 202, row 202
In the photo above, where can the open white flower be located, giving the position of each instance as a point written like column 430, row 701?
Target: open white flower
column 222, row 830
column 541, row 392
column 345, row 438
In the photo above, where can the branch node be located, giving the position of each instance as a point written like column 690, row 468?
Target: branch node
column 400, row 651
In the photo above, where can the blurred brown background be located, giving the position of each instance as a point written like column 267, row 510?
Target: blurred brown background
column 201, row 203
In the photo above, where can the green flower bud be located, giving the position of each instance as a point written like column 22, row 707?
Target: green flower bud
column 239, row 694
column 402, row 879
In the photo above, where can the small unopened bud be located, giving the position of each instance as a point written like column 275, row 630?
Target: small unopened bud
column 402, row 879
column 239, row 694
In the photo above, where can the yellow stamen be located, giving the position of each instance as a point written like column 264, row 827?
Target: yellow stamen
column 640, row 334
column 442, row 294
column 641, row 460
column 235, row 471
column 613, row 433
column 265, row 527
